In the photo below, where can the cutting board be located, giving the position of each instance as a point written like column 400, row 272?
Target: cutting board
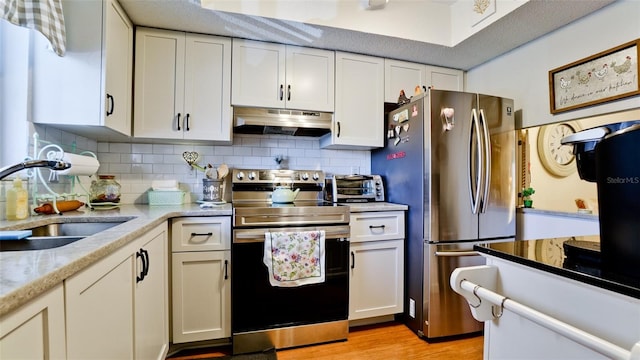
column 14, row 234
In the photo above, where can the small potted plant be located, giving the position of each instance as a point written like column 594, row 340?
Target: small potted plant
column 526, row 196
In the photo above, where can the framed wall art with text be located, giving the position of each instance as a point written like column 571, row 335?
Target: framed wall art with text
column 606, row 76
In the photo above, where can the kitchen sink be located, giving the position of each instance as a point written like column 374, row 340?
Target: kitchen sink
column 57, row 234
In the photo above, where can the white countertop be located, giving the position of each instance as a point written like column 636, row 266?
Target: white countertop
column 375, row 206
column 27, row 274
column 558, row 213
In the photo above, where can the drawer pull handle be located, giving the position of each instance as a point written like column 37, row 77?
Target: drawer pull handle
column 376, row 226
column 226, row 269
column 202, row 234
column 353, row 260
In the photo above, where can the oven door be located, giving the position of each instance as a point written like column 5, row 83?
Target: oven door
column 256, row 305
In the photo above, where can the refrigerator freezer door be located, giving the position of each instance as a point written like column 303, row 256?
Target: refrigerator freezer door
column 445, row 312
column 497, row 217
column 451, row 172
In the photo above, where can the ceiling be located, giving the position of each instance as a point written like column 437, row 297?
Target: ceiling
column 526, row 23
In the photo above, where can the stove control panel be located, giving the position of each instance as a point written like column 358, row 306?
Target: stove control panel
column 277, row 177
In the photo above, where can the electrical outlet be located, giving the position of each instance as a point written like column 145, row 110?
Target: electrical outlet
column 412, row 308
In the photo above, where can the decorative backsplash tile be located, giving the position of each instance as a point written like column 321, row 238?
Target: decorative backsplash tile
column 136, row 165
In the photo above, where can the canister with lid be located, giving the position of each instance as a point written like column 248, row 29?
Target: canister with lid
column 105, row 189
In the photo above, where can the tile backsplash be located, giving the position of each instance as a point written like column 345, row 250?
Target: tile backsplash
column 136, row 165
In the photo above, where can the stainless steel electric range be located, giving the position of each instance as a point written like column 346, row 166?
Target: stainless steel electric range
column 266, row 316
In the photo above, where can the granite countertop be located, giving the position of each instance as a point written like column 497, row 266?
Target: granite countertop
column 375, row 206
column 27, row 274
column 549, row 255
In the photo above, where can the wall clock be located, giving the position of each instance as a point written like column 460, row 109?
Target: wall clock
column 550, row 251
column 556, row 158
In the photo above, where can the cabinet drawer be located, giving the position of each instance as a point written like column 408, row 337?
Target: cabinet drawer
column 373, row 226
column 201, row 233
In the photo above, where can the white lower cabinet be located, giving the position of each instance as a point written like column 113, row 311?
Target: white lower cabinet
column 201, row 278
column 117, row 308
column 151, row 316
column 376, row 285
column 35, row 330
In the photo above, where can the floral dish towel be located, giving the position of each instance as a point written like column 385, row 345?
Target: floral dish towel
column 294, row 258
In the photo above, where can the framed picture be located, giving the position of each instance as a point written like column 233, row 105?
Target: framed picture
column 482, row 9
column 603, row 77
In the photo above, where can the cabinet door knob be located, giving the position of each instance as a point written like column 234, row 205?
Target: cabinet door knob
column 288, row 92
column 186, row 122
column 353, row 260
column 338, row 124
column 281, row 91
column 178, row 122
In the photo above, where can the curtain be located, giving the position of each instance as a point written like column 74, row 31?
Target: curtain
column 44, row 16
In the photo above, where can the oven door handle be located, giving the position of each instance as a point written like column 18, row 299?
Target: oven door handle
column 340, row 232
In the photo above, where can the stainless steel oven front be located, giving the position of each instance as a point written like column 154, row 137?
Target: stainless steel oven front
column 266, row 316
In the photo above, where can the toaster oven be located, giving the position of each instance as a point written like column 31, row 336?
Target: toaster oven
column 354, row 188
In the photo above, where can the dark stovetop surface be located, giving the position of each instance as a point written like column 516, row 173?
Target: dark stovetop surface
column 576, row 258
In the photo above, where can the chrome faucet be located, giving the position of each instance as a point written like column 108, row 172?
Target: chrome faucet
column 51, row 164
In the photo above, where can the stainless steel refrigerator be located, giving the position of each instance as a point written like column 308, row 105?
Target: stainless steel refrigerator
column 450, row 156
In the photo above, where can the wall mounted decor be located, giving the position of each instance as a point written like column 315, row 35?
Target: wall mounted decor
column 556, row 158
column 606, row 76
column 482, row 9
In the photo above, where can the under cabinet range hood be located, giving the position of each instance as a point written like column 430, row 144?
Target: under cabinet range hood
column 281, row 122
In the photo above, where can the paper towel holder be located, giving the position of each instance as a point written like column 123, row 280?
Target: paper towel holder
column 53, row 152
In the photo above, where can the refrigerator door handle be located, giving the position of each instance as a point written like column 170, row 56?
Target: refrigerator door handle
column 474, row 143
column 456, row 253
column 486, row 168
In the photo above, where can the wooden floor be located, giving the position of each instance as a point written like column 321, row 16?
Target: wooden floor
column 384, row 342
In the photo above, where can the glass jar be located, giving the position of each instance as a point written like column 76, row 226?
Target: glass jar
column 105, row 189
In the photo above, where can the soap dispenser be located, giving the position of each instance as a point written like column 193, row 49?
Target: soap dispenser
column 17, row 201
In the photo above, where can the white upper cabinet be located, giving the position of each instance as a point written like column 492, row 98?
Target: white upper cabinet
column 402, row 75
column 278, row 76
column 358, row 121
column 90, row 87
column 440, row 78
column 182, row 86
